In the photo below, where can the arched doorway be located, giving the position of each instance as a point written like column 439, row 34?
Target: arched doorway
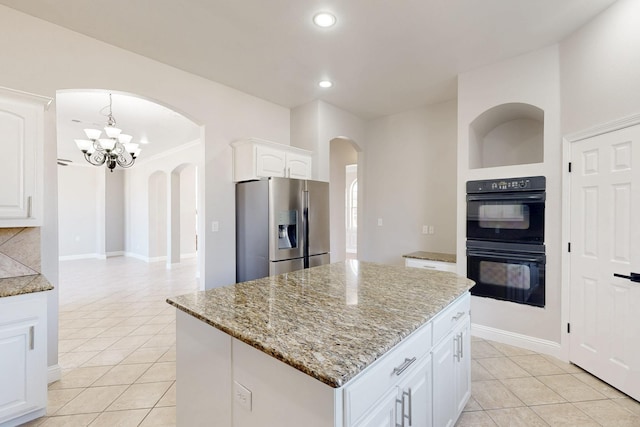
column 344, row 199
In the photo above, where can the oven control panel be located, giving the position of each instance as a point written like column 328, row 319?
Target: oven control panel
column 529, row 183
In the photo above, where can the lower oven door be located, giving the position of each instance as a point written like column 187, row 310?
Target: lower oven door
column 508, row 275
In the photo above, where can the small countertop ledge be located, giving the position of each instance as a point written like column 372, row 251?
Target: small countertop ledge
column 331, row 321
column 432, row 256
column 21, row 285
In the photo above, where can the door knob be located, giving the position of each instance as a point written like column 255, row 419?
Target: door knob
column 634, row 277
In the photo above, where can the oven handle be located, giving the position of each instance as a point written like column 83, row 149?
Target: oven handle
column 516, row 257
column 505, row 197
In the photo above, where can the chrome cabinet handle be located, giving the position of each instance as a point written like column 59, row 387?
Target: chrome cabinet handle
column 428, row 266
column 409, row 417
column 29, row 202
column 31, row 338
column 456, row 352
column 401, row 402
column 461, row 343
column 458, row 316
column 400, row 369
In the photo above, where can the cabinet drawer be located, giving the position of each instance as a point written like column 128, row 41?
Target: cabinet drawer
column 372, row 383
column 430, row 265
column 451, row 316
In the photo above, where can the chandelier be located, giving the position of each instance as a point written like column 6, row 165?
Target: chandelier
column 114, row 150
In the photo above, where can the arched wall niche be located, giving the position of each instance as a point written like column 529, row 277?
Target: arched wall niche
column 507, row 134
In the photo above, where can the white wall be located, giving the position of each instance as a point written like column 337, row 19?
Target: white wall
column 342, row 154
column 114, row 211
column 188, row 207
column 410, row 178
column 533, row 78
column 157, row 190
column 77, row 220
column 315, row 124
column 599, row 68
column 41, row 58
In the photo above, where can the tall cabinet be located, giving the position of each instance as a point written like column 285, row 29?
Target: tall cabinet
column 22, row 133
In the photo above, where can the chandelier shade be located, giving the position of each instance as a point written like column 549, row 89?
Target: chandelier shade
column 114, row 150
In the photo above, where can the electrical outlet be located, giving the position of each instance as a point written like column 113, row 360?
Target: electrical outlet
column 242, row 395
column 425, row 229
column 431, row 231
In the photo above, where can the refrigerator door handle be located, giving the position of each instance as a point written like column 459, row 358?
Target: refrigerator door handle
column 305, row 227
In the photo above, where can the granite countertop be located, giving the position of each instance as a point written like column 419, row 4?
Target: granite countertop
column 21, row 285
column 329, row 322
column 432, row 256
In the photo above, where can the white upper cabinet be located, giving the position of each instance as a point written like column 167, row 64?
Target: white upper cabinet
column 256, row 158
column 21, row 134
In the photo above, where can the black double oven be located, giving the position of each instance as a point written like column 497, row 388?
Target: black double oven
column 505, row 239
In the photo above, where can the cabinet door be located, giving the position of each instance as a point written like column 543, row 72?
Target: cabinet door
column 444, row 355
column 16, row 369
column 21, row 128
column 298, row 166
column 270, row 162
column 383, row 413
column 463, row 365
column 416, row 392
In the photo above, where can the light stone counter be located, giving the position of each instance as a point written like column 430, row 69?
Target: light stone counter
column 13, row 286
column 329, row 322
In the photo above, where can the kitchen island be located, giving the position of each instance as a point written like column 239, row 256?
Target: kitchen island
column 345, row 344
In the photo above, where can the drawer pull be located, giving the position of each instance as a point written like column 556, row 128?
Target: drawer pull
column 428, row 266
column 458, row 316
column 407, row 362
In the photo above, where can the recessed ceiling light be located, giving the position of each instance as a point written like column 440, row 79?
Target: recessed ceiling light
column 324, row 19
column 325, row 84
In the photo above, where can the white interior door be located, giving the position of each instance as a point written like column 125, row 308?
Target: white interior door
column 605, row 240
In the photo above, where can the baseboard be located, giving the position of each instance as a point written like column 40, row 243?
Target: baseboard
column 54, row 373
column 518, row 340
column 115, row 253
column 187, row 256
column 75, row 257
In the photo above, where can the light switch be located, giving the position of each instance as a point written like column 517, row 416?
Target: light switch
column 379, row 222
column 215, row 226
column 425, row 229
column 242, row 395
column 431, row 229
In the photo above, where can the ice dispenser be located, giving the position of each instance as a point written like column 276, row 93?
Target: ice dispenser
column 287, row 229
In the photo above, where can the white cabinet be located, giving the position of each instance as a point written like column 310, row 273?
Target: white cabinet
column 406, row 404
column 405, row 372
column 256, row 158
column 451, row 363
column 23, row 358
column 430, row 265
column 22, row 132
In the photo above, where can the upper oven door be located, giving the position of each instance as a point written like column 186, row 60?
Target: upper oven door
column 506, row 217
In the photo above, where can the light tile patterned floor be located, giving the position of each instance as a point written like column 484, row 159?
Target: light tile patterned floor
column 515, row 387
column 117, row 343
column 117, row 352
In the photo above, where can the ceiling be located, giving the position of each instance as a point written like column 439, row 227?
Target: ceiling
column 384, row 56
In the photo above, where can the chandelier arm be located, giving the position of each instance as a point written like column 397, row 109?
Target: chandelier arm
column 96, row 160
column 125, row 161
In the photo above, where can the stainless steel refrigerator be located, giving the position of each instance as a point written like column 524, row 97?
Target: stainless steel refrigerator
column 282, row 225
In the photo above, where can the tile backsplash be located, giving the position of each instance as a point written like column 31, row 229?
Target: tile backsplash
column 19, row 252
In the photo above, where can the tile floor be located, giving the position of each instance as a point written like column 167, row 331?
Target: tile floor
column 117, row 352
